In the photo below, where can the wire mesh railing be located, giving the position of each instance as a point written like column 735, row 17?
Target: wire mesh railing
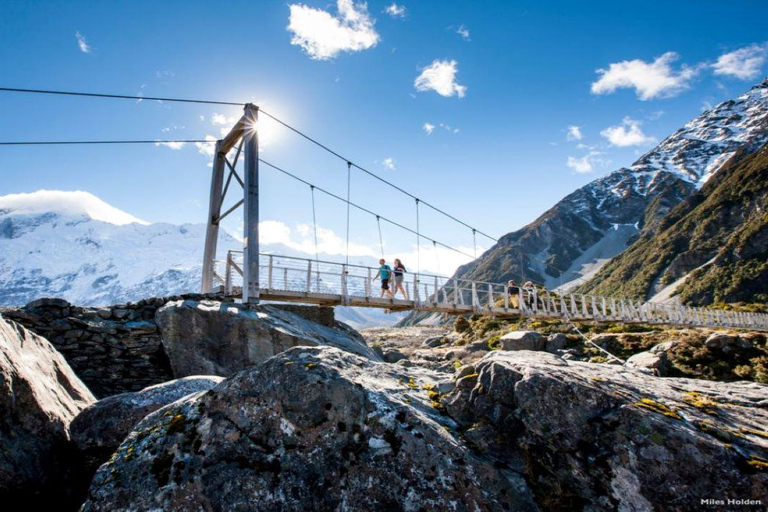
column 348, row 284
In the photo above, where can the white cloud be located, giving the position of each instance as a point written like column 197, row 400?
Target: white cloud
column 75, row 202
column 429, row 128
column 628, row 133
column 587, row 163
column 656, row 79
column 82, row 43
column 574, row 133
column 440, row 76
column 207, row 148
column 396, row 11
column 580, row 164
column 441, row 261
column 221, row 119
column 174, row 145
column 463, row 32
column 389, row 163
column 272, row 232
column 744, row 63
column 323, row 36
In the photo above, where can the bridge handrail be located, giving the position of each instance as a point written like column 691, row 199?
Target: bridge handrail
column 352, row 282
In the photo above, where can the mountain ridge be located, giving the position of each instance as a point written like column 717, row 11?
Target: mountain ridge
column 629, row 199
column 711, row 248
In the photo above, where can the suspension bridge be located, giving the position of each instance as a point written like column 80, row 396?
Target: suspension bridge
column 253, row 276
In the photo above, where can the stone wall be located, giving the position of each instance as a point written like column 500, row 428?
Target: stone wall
column 117, row 349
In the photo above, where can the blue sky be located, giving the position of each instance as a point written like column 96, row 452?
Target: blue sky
column 502, row 83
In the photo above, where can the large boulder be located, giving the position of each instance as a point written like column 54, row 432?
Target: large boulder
column 601, row 437
column 100, row 428
column 523, row 340
column 654, row 362
column 39, row 397
column 556, row 341
column 215, row 338
column 310, row 429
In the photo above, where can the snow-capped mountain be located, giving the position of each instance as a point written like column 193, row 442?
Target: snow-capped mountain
column 569, row 243
column 75, row 246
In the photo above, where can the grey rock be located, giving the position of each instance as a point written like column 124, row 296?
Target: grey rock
column 434, row 341
column 48, row 302
column 555, row 342
column 465, row 370
column 523, row 340
column 39, row 397
column 313, row 428
column 215, row 338
column 393, row 356
column 100, row 428
column 445, row 386
column 120, row 313
column 726, row 342
column 478, row 346
column 664, row 347
column 612, row 439
column 655, row 362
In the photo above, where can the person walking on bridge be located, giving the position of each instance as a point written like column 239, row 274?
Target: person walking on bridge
column 514, row 293
column 398, row 271
column 385, row 271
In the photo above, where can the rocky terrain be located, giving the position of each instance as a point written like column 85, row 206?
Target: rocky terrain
column 306, row 414
column 710, row 248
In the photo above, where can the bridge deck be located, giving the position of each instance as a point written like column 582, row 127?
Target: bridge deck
column 289, row 279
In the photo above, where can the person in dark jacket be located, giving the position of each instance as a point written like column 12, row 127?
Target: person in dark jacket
column 398, row 272
column 514, row 293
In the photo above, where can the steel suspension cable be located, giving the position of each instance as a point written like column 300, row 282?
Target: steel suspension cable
column 437, row 257
column 314, row 225
column 349, row 188
column 418, row 244
column 474, row 241
column 361, row 208
column 232, row 103
column 118, row 96
column 381, row 239
column 372, row 174
column 81, row 142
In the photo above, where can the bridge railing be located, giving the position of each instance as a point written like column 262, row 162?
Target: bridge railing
column 340, row 283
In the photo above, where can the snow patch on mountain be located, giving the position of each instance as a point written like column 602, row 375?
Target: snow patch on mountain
column 75, row 246
column 72, row 204
column 698, row 149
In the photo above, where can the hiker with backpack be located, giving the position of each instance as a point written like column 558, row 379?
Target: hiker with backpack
column 385, row 271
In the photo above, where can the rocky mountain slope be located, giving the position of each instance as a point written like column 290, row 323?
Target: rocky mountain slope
column 713, row 247
column 569, row 243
